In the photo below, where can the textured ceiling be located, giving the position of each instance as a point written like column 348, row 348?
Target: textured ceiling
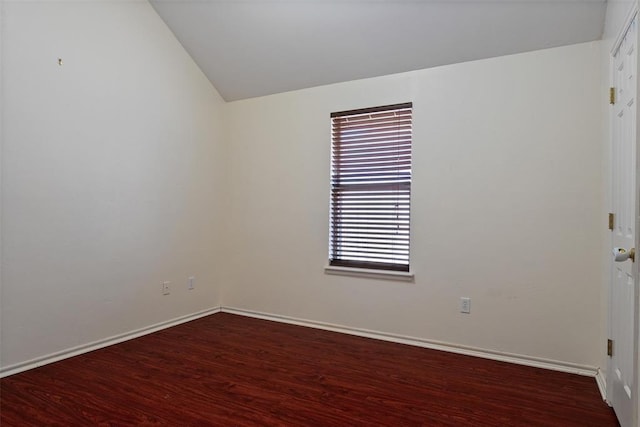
column 250, row 48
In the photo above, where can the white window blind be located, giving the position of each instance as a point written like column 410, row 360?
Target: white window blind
column 371, row 187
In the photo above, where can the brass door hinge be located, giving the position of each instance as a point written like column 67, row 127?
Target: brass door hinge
column 612, row 95
column 609, row 348
column 611, row 221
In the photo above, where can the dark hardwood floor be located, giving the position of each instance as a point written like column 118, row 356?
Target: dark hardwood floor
column 228, row 370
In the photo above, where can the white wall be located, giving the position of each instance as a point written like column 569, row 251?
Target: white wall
column 1, row 143
column 506, row 206
column 112, row 175
column 117, row 165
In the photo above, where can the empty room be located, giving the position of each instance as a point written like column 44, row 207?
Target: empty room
column 319, row 213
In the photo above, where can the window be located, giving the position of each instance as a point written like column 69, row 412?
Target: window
column 371, row 188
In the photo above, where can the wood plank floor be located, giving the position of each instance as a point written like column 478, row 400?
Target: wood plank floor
column 228, row 370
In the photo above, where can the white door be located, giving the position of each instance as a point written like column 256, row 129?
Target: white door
column 622, row 297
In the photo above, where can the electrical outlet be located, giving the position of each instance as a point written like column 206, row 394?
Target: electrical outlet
column 191, row 283
column 165, row 288
column 465, row 305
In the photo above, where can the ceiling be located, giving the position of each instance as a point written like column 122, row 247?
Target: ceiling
column 250, row 48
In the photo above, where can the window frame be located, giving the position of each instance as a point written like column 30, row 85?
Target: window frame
column 398, row 183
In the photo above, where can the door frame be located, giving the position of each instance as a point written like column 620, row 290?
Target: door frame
column 634, row 10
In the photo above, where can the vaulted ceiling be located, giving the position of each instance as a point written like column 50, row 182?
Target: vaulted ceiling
column 250, row 48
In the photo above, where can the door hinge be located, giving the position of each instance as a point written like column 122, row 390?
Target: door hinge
column 611, row 221
column 609, row 348
column 612, row 95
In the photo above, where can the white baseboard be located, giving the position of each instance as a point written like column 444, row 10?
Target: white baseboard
column 602, row 385
column 419, row 342
column 85, row 348
column 536, row 362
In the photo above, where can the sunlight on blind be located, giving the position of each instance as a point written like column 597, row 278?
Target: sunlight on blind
column 371, row 188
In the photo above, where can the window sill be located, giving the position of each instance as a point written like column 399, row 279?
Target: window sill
column 370, row 273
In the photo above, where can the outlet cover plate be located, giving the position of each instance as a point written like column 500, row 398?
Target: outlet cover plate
column 465, row 305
